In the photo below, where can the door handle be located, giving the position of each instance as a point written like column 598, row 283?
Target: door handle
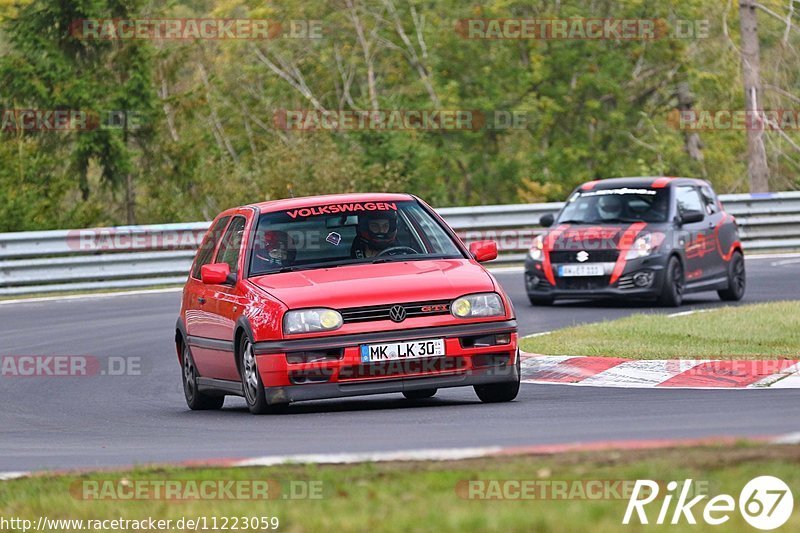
column 201, row 300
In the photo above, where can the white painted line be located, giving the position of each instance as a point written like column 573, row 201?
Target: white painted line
column 88, row 296
column 453, row 454
column 785, row 262
column 506, row 270
column 665, row 389
column 775, row 378
column 788, row 379
column 8, row 476
column 693, row 311
column 532, row 335
column 791, row 438
column 544, row 364
column 771, row 256
column 640, row 374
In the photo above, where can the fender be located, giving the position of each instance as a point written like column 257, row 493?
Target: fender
column 242, row 324
column 180, row 336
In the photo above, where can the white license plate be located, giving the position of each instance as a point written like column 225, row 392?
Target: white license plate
column 375, row 353
column 567, row 271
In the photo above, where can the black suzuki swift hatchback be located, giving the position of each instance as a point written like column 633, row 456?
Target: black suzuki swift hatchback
column 646, row 238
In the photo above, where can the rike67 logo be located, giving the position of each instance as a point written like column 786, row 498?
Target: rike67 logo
column 766, row 503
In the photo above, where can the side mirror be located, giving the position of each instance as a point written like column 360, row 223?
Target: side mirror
column 483, row 251
column 690, row 217
column 215, row 273
column 547, row 220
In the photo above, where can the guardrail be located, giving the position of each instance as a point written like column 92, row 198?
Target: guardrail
column 139, row 256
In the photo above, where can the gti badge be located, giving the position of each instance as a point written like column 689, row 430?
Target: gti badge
column 397, row 313
column 582, row 256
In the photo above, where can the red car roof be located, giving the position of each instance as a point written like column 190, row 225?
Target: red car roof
column 309, row 201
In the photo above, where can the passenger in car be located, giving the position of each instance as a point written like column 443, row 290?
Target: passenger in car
column 273, row 251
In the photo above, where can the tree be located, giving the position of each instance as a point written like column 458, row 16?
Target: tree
column 757, row 168
column 48, row 68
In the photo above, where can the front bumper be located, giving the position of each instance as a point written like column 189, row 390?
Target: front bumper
column 320, row 391
column 469, row 360
column 537, row 284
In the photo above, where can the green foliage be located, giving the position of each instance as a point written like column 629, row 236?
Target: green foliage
column 208, row 139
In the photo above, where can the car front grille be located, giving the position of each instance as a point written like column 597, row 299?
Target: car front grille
column 626, row 282
column 382, row 312
column 583, row 283
column 595, row 256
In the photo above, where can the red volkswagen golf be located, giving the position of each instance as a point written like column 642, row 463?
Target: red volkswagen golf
column 342, row 295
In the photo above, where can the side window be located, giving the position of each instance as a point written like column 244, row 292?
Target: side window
column 231, row 244
column 709, row 200
column 689, row 200
column 206, row 251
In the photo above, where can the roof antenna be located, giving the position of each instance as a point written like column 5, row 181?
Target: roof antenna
column 291, row 191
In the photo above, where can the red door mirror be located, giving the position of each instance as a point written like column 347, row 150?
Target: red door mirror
column 483, row 250
column 215, row 273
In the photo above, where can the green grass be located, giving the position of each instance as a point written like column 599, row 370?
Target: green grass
column 423, row 497
column 759, row 331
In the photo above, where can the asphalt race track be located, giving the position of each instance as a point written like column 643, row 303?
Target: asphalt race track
column 71, row 422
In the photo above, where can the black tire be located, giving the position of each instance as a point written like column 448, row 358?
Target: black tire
column 541, row 300
column 500, row 392
column 254, row 394
column 737, row 279
column 419, row 394
column 674, row 284
column 196, row 400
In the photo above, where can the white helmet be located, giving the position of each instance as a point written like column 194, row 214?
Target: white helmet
column 609, row 207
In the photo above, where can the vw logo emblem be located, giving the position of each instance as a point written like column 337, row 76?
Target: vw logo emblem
column 397, row 313
column 582, row 256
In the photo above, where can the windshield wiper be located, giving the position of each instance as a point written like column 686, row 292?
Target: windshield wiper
column 312, row 266
column 410, row 257
column 616, row 219
column 397, row 258
column 348, row 262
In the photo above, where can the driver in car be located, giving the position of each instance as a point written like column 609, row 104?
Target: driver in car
column 376, row 232
column 610, row 207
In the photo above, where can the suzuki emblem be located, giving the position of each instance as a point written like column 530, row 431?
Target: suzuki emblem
column 582, row 256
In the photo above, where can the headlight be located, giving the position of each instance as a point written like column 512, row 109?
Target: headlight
column 311, row 320
column 645, row 245
column 537, row 250
column 478, row 305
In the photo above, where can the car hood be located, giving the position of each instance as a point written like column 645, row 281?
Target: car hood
column 594, row 237
column 366, row 285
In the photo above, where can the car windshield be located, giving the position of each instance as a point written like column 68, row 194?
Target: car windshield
column 346, row 233
column 616, row 206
